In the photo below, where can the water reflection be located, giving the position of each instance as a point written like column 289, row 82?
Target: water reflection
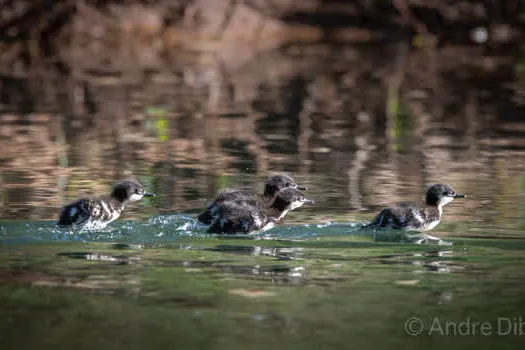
column 360, row 126
column 336, row 119
column 424, row 262
column 92, row 256
column 94, row 284
column 288, row 253
column 90, row 280
column 271, row 271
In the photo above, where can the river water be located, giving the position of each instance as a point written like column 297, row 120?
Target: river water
column 360, row 127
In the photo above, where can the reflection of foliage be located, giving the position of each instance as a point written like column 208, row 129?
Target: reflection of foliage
column 520, row 201
column 221, row 181
column 403, row 123
column 160, row 124
column 418, row 41
column 519, row 69
column 156, row 111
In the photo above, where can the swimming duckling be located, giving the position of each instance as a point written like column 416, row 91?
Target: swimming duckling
column 412, row 217
column 97, row 212
column 235, row 217
column 273, row 185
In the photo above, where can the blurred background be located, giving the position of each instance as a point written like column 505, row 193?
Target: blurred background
column 365, row 102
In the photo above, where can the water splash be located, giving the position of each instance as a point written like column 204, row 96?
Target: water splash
column 313, row 230
column 168, row 228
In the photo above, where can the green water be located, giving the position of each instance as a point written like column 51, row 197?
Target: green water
column 162, row 283
column 360, row 127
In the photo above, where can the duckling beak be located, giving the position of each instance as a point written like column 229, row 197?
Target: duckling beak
column 459, row 195
column 147, row 194
column 302, row 188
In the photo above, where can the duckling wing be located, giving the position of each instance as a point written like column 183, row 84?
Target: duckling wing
column 400, row 216
column 76, row 213
column 383, row 219
column 232, row 217
column 241, row 197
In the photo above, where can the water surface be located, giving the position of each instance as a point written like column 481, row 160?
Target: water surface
column 340, row 121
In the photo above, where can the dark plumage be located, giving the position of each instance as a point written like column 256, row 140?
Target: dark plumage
column 97, row 212
column 238, row 217
column 274, row 184
column 413, row 217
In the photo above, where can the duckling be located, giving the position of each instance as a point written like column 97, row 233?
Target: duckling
column 235, row 217
column 97, row 212
column 273, row 185
column 413, row 217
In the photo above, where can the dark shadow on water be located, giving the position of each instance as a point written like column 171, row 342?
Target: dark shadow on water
column 280, row 274
column 126, row 246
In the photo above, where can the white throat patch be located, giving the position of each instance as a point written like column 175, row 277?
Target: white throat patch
column 135, row 197
column 296, row 204
column 444, row 201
